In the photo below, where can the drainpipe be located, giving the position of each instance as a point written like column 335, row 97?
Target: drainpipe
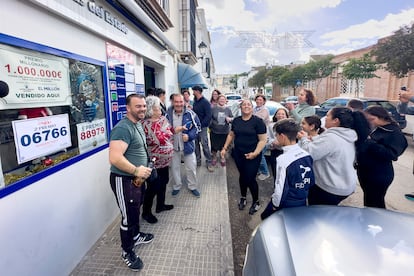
column 136, row 10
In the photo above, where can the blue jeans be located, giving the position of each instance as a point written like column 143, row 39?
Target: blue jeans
column 203, row 139
column 263, row 169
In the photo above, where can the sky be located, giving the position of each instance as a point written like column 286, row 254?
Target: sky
column 248, row 33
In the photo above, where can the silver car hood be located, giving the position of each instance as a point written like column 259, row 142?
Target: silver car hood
column 332, row 240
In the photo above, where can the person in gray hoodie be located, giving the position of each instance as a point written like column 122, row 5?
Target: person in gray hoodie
column 333, row 152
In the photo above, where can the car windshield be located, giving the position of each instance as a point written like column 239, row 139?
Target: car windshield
column 334, row 102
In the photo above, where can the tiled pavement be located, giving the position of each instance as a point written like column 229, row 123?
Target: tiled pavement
column 192, row 239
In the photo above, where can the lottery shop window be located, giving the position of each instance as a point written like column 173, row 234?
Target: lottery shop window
column 52, row 112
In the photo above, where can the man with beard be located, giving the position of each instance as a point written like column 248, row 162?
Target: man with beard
column 129, row 170
column 202, row 108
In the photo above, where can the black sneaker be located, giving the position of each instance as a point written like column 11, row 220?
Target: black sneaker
column 165, row 207
column 242, row 203
column 143, row 238
column 255, row 207
column 150, row 218
column 132, row 261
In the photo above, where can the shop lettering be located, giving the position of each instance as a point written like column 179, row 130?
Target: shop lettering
column 46, row 88
column 80, row 2
column 106, row 16
column 29, row 95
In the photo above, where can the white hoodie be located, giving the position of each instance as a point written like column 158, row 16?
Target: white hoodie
column 333, row 153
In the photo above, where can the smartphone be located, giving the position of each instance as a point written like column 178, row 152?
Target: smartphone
column 403, row 88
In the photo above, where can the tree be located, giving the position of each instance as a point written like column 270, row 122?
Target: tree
column 293, row 78
column 397, row 51
column 359, row 69
column 319, row 69
column 275, row 73
column 259, row 79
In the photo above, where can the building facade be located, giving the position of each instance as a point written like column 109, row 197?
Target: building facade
column 385, row 86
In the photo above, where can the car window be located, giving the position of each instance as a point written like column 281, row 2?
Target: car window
column 334, row 102
column 387, row 105
column 233, row 97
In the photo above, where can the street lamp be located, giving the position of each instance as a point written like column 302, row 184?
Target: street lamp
column 203, row 49
column 205, row 62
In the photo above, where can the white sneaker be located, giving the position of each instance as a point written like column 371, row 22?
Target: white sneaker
column 263, row 176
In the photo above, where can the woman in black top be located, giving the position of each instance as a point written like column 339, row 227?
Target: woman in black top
column 375, row 155
column 249, row 135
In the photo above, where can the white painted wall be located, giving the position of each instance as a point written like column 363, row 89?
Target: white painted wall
column 48, row 226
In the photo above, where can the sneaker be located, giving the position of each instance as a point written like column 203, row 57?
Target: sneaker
column 255, row 207
column 175, row 192
column 165, row 207
column 150, row 218
column 210, row 168
column 409, row 196
column 242, row 203
column 195, row 192
column 263, row 176
column 132, row 260
column 223, row 162
column 143, row 238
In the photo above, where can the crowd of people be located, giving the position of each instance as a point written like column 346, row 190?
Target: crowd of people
column 313, row 161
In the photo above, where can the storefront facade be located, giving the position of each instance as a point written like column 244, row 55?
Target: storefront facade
column 67, row 67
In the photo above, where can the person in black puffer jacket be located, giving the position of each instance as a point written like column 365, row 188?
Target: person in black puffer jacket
column 376, row 154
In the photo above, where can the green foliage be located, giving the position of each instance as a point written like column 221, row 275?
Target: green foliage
column 362, row 68
column 358, row 69
column 397, row 52
column 273, row 75
column 259, row 79
column 292, row 77
column 319, row 69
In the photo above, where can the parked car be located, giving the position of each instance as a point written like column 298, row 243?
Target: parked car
column 289, row 99
column 233, row 98
column 272, row 106
column 323, row 108
column 332, row 240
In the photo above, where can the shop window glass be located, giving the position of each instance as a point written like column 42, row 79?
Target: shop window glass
column 54, row 110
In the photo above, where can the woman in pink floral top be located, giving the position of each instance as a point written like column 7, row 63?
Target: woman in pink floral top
column 159, row 135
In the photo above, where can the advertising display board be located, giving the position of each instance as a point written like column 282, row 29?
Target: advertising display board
column 35, row 79
column 41, row 136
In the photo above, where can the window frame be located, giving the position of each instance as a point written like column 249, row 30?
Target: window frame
column 31, row 179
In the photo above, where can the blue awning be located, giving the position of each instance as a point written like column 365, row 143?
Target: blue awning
column 188, row 77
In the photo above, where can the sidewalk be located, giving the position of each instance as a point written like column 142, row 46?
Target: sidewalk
column 192, row 239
